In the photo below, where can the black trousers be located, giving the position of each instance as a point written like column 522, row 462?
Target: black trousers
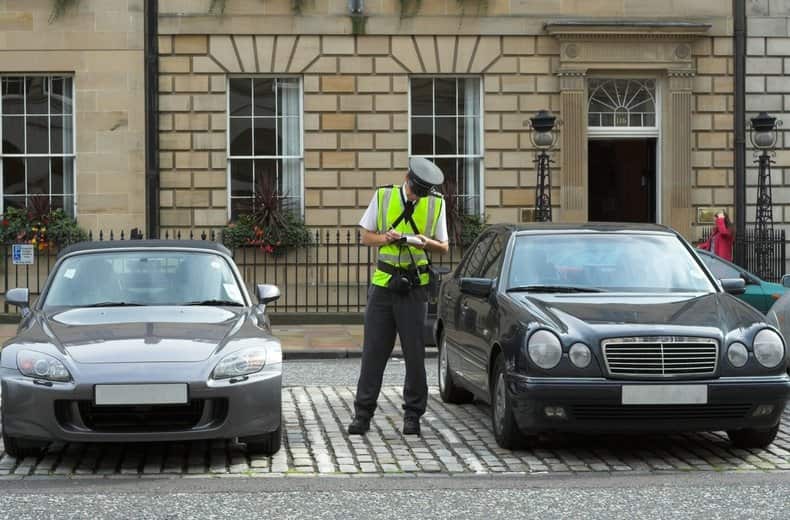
column 388, row 313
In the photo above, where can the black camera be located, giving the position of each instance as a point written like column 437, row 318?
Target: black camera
column 404, row 281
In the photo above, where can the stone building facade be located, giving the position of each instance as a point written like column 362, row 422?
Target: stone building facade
column 330, row 108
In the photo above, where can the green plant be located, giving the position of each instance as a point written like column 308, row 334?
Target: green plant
column 59, row 7
column 358, row 23
column 217, row 7
column 482, row 5
column 40, row 225
column 409, row 7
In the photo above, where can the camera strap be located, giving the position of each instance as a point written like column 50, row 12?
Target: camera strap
column 408, row 211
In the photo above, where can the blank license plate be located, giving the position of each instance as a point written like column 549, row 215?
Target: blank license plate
column 665, row 394
column 141, row 394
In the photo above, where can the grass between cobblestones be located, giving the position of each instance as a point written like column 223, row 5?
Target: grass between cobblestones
column 456, row 440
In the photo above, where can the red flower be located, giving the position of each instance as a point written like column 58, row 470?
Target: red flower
column 5, row 222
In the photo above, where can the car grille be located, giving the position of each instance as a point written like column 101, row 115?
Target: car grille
column 145, row 418
column 659, row 357
column 596, row 412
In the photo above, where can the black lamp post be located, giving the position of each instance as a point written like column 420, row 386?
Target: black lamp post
column 763, row 134
column 543, row 138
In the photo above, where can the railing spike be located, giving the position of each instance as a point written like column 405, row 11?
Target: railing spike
column 112, row 235
column 101, row 235
column 203, row 235
column 90, row 235
column 178, row 235
column 213, row 236
column 122, row 234
column 191, row 237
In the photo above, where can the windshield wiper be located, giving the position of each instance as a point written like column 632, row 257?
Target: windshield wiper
column 114, row 304
column 554, row 289
column 215, row 303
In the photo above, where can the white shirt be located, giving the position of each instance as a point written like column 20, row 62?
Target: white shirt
column 369, row 220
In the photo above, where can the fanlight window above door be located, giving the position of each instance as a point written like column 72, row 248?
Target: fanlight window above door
column 621, row 103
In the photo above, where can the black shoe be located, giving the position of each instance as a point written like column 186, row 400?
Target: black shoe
column 359, row 426
column 411, row 426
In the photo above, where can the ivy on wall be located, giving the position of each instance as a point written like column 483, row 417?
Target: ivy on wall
column 217, row 7
column 59, row 7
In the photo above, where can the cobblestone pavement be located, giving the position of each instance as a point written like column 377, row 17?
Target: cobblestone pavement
column 456, row 440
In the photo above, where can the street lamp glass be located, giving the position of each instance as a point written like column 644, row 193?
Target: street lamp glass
column 764, row 139
column 543, row 139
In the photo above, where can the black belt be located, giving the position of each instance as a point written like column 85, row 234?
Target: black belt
column 396, row 271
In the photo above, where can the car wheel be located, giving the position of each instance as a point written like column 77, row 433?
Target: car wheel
column 751, row 438
column 506, row 430
column 448, row 390
column 266, row 444
column 20, row 448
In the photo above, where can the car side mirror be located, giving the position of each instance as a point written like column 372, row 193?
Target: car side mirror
column 267, row 293
column 786, row 280
column 734, row 286
column 441, row 270
column 480, row 287
column 19, row 297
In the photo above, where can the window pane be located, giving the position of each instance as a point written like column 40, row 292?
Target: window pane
column 37, row 95
column 445, row 96
column 38, row 176
column 60, row 97
column 241, row 136
column 57, row 203
column 266, row 136
column 469, row 96
column 422, row 136
column 267, row 179
column 13, row 95
column 60, row 134
column 289, row 136
column 291, row 183
column 446, row 136
column 240, row 97
column 57, row 174
column 264, row 97
column 13, row 134
column 13, row 202
column 421, row 96
column 37, row 134
column 287, row 97
column 240, row 206
column 241, row 177
column 14, row 176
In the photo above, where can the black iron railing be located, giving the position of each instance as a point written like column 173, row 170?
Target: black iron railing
column 329, row 274
column 748, row 245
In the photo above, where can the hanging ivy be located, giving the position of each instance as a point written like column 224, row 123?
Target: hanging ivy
column 59, row 7
column 409, row 7
column 358, row 23
column 217, row 7
column 482, row 5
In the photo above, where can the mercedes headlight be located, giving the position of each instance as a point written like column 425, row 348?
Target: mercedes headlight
column 241, row 363
column 41, row 366
column 768, row 348
column 737, row 354
column 580, row 355
column 545, row 349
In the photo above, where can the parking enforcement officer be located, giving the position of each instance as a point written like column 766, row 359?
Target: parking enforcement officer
column 405, row 222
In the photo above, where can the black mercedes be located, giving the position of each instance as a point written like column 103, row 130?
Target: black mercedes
column 597, row 328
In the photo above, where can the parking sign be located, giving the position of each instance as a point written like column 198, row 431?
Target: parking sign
column 23, row 254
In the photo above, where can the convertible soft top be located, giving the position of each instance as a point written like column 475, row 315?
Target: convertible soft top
column 144, row 244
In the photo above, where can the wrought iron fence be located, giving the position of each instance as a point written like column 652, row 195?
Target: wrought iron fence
column 747, row 245
column 329, row 274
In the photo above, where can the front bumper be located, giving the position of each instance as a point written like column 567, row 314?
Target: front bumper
column 32, row 411
column 595, row 405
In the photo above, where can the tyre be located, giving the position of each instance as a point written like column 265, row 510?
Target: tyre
column 448, row 390
column 506, row 430
column 751, row 438
column 266, row 444
column 20, row 448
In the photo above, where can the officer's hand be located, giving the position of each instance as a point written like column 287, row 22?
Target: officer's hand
column 391, row 236
column 423, row 240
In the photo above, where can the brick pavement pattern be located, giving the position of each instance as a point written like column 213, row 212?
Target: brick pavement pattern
column 456, row 440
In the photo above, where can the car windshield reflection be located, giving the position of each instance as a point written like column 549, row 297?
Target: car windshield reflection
column 129, row 278
column 605, row 263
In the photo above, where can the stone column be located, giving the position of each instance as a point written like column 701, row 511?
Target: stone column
column 573, row 112
column 677, row 153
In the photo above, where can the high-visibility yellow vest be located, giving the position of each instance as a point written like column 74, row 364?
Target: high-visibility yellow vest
column 425, row 216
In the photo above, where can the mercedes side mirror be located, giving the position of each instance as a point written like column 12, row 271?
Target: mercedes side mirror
column 786, row 280
column 267, row 293
column 480, row 287
column 734, row 286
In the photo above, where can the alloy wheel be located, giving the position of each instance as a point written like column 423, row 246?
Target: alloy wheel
column 442, row 364
column 500, row 404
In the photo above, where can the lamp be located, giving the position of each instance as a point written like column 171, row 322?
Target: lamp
column 763, row 134
column 544, row 138
column 763, row 131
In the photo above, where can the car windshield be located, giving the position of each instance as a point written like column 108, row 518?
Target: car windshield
column 143, row 278
column 605, row 262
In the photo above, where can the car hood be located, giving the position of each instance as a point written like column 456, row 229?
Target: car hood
column 617, row 313
column 142, row 334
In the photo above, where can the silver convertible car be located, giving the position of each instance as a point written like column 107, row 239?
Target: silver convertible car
column 142, row 341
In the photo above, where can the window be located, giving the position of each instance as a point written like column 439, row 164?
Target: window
column 493, row 262
column 446, row 127
column 37, row 130
column 473, row 265
column 264, row 142
column 719, row 269
column 622, row 103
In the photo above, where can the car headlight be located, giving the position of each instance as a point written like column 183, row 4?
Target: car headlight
column 580, row 355
column 241, row 363
column 768, row 348
column 41, row 366
column 737, row 354
column 545, row 349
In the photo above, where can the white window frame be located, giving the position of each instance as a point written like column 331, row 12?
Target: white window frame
column 24, row 156
column 230, row 157
column 624, row 132
column 481, row 128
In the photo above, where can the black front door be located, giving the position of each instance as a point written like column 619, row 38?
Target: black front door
column 622, row 180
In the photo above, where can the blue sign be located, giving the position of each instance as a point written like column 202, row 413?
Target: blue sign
column 22, row 254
